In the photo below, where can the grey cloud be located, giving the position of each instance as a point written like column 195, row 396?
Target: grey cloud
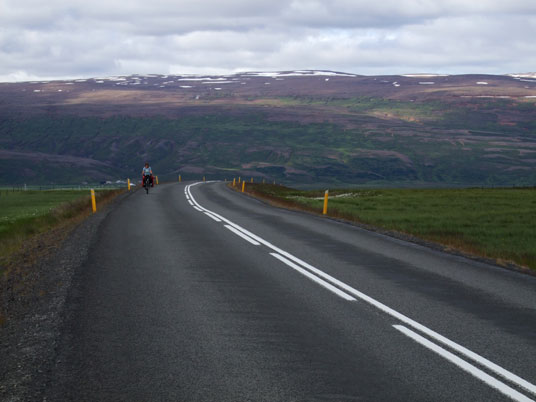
column 61, row 38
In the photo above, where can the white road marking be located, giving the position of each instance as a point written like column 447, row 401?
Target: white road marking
column 476, row 372
column 315, row 278
column 212, row 217
column 438, row 337
column 199, row 209
column 191, row 203
column 242, row 235
column 401, row 317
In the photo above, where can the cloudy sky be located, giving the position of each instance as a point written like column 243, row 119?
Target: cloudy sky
column 91, row 38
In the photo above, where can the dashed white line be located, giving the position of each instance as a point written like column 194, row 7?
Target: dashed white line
column 474, row 371
column 251, row 237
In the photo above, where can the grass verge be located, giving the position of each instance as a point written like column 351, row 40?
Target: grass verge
column 496, row 224
column 27, row 213
column 33, row 225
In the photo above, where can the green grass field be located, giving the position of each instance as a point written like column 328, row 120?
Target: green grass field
column 493, row 223
column 23, row 206
column 26, row 213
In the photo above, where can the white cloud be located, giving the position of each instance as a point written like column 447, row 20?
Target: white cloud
column 61, row 38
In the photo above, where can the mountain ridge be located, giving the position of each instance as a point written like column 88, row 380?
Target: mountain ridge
column 304, row 126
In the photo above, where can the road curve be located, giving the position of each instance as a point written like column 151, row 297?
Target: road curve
column 198, row 293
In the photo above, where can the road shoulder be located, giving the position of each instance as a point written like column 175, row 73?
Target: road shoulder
column 28, row 338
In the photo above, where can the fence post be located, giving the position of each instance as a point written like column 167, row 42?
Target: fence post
column 326, row 195
column 93, row 202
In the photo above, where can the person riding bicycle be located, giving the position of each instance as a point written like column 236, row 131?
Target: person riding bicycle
column 147, row 172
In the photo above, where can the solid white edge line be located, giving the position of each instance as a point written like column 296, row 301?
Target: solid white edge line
column 199, row 209
column 315, row 278
column 211, row 217
column 412, row 323
column 438, row 337
column 474, row 371
column 242, row 235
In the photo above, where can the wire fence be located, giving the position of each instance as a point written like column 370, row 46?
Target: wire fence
column 51, row 187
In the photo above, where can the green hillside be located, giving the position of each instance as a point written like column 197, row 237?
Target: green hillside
column 419, row 138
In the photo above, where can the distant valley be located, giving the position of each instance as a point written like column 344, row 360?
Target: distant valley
column 296, row 127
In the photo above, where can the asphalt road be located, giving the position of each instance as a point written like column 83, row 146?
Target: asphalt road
column 198, row 293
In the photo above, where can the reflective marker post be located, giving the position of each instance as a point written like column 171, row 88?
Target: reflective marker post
column 93, row 202
column 326, row 195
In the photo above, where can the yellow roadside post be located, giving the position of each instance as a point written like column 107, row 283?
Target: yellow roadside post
column 180, row 179
column 156, row 179
column 243, row 186
column 204, row 178
column 238, row 179
column 326, row 195
column 252, row 179
column 128, row 184
column 263, row 181
column 93, row 202
column 234, row 181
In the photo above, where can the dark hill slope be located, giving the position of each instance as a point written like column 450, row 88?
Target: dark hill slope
column 299, row 127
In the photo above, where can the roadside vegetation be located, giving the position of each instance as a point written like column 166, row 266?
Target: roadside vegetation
column 496, row 224
column 24, row 214
column 33, row 225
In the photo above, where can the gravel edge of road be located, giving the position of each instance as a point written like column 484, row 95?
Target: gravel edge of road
column 28, row 343
column 398, row 235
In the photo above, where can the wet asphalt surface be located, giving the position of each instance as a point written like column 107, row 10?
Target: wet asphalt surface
column 172, row 305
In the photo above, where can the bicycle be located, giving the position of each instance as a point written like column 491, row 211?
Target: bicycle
column 147, row 183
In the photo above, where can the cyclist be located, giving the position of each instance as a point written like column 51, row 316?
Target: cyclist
column 147, row 171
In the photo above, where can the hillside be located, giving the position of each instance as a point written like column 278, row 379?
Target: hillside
column 305, row 127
